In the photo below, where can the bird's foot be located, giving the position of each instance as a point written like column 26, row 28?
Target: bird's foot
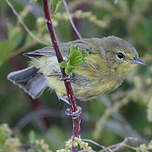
column 60, row 77
column 69, row 111
column 75, row 114
column 54, row 74
column 64, row 99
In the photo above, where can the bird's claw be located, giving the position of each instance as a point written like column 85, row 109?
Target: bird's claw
column 64, row 99
column 75, row 114
column 61, row 78
column 68, row 111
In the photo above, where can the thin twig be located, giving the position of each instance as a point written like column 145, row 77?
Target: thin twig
column 79, row 14
column 26, row 10
column 70, row 19
column 38, row 114
column 97, row 144
column 25, row 27
column 120, row 145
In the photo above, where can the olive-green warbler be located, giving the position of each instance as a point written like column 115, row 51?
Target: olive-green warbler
column 108, row 61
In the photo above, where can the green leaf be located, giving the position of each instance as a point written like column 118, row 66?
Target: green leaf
column 56, row 5
column 69, row 69
column 63, row 64
column 84, row 53
column 76, row 58
column 76, row 61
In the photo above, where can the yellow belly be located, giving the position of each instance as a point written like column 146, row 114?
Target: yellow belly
column 83, row 93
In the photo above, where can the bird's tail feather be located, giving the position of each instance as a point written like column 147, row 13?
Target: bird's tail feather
column 30, row 80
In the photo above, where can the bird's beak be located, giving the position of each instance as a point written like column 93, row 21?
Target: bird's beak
column 138, row 61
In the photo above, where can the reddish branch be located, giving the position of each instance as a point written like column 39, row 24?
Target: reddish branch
column 76, row 121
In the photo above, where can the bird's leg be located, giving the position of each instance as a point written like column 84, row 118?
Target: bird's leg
column 75, row 114
column 68, row 111
column 68, row 78
column 54, row 74
column 60, row 77
column 64, row 99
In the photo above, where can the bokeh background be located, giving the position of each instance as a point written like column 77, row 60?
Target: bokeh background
column 107, row 120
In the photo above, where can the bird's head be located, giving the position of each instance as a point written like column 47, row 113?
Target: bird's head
column 120, row 54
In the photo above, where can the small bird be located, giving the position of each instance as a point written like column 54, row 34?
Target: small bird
column 108, row 62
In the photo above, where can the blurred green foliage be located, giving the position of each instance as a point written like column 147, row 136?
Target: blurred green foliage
column 125, row 112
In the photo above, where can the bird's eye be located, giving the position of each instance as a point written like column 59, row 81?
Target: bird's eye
column 120, row 55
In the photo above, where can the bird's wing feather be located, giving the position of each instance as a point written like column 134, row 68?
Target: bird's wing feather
column 46, row 51
column 86, row 44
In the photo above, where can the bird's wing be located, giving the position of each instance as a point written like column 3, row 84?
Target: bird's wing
column 46, row 51
column 86, row 44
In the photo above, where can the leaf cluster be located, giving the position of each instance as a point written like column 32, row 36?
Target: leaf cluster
column 75, row 59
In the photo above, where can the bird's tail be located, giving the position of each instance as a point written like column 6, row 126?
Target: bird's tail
column 30, row 80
